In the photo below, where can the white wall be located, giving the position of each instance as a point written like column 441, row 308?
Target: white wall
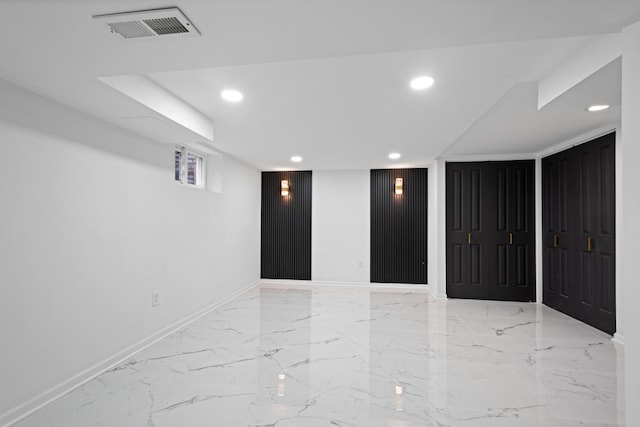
column 630, row 235
column 340, row 226
column 539, row 229
column 436, row 248
column 91, row 222
column 618, row 337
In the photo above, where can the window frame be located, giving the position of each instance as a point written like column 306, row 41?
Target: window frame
column 200, row 177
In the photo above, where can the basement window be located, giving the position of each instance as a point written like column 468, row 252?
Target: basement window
column 189, row 167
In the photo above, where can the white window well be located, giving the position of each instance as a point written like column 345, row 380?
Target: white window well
column 189, row 167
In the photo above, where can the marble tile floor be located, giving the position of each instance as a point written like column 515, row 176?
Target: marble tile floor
column 342, row 356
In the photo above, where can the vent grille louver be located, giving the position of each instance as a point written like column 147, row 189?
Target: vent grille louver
column 168, row 22
column 166, row 26
column 130, row 30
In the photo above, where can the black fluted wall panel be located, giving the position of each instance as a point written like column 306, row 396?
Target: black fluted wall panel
column 286, row 226
column 399, row 226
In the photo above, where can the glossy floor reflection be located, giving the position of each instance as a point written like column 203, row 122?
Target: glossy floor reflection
column 318, row 356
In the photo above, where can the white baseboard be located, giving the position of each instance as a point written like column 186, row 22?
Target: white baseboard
column 27, row 408
column 618, row 340
column 367, row 285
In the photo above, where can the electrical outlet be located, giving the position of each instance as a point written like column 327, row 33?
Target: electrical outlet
column 155, row 299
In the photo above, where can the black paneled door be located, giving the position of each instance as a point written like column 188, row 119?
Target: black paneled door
column 399, row 226
column 579, row 232
column 285, row 244
column 467, row 242
column 513, row 232
column 558, row 222
column 491, row 230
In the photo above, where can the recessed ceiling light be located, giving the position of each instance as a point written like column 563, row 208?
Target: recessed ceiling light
column 597, row 108
column 422, row 82
column 296, row 159
column 231, row 95
column 394, row 156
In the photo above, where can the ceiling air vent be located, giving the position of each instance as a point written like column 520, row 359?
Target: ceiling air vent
column 149, row 23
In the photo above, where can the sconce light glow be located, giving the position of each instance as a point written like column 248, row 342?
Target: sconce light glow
column 399, row 399
column 231, row 95
column 594, row 108
column 284, row 187
column 394, row 156
column 281, row 378
column 296, row 159
column 422, row 82
column 398, row 186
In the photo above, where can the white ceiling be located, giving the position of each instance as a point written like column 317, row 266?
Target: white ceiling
column 329, row 79
column 528, row 130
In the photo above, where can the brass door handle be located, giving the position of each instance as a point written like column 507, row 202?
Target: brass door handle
column 511, row 238
column 468, row 238
column 555, row 240
column 589, row 243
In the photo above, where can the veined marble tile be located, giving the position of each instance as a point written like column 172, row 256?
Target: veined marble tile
column 555, row 328
column 596, row 355
column 282, row 355
column 561, row 393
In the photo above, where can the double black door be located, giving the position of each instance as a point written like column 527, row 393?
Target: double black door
column 491, row 230
column 579, row 232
